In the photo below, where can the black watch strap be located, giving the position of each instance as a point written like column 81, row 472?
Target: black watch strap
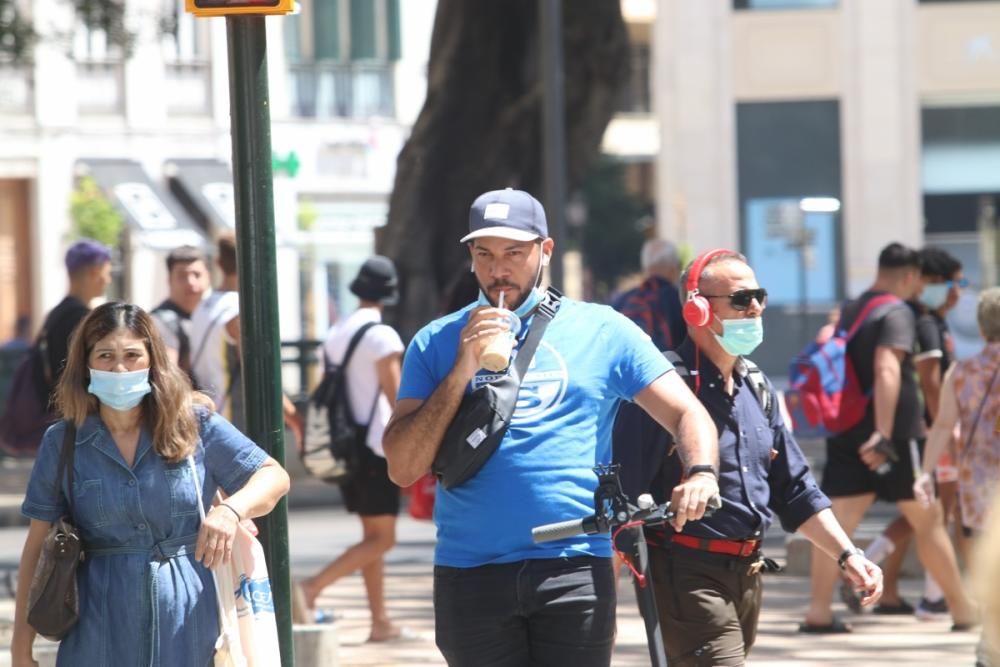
column 847, row 553
column 702, row 467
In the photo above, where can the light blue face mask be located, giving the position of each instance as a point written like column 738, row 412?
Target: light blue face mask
column 119, row 391
column 741, row 337
column 533, row 299
column 934, row 296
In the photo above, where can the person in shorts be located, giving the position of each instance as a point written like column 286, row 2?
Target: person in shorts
column 372, row 383
column 933, row 356
column 857, row 469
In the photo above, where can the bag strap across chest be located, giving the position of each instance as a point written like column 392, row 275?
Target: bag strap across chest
column 754, row 377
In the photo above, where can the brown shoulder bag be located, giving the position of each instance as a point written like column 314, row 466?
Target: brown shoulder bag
column 53, row 602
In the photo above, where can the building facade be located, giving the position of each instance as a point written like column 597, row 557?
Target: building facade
column 810, row 133
column 151, row 128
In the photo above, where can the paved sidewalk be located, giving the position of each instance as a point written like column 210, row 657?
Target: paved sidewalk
column 876, row 640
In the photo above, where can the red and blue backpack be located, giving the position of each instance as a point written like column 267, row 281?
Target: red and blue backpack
column 824, row 386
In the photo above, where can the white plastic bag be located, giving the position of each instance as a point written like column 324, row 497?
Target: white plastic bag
column 228, row 647
column 254, row 601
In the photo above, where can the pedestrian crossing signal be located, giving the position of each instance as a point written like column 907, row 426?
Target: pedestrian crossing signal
column 235, row 7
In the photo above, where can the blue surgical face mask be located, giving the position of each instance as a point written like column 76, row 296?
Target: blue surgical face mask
column 934, row 296
column 741, row 337
column 119, row 391
column 533, row 299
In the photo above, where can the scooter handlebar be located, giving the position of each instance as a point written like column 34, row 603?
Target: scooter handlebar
column 561, row 530
column 588, row 525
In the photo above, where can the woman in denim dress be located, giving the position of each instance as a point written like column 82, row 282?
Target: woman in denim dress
column 147, row 596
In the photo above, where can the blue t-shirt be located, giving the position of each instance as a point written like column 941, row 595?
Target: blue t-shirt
column 589, row 359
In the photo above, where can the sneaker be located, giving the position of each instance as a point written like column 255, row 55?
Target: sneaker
column 929, row 611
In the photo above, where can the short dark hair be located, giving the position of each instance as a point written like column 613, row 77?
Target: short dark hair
column 185, row 254
column 938, row 263
column 898, row 256
column 227, row 252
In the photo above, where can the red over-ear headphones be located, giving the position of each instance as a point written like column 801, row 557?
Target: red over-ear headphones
column 697, row 310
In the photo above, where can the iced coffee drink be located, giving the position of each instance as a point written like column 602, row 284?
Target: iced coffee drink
column 496, row 355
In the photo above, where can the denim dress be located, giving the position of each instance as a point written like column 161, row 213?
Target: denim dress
column 144, row 599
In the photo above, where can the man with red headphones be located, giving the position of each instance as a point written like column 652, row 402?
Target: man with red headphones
column 706, row 576
column 500, row 598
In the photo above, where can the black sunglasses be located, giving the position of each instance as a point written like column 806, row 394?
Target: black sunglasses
column 741, row 299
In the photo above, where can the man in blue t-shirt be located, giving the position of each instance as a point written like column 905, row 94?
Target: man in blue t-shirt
column 500, row 599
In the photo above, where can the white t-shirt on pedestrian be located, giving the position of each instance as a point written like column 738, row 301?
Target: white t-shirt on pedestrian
column 210, row 362
column 377, row 343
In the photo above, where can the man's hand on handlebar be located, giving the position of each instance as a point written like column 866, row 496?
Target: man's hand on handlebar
column 689, row 500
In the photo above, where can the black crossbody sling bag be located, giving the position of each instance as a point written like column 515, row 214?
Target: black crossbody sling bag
column 484, row 414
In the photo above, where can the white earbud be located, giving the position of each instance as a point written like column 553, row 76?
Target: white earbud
column 545, row 260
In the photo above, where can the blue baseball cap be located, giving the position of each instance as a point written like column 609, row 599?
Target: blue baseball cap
column 509, row 214
column 86, row 253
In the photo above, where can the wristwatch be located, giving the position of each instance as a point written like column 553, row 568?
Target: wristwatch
column 702, row 467
column 847, row 553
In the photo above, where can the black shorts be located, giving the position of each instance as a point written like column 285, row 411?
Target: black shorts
column 845, row 474
column 370, row 492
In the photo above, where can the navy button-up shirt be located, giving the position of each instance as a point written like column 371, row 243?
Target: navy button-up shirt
column 762, row 471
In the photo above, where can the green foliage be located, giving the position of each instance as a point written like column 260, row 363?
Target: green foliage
column 17, row 35
column 108, row 16
column 93, row 215
column 307, row 216
column 612, row 236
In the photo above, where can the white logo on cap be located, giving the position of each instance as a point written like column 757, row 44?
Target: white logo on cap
column 496, row 211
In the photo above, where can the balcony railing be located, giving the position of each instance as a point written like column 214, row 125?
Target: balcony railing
column 341, row 90
column 100, row 87
column 189, row 88
column 16, row 90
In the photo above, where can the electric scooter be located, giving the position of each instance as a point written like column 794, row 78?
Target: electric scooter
column 613, row 511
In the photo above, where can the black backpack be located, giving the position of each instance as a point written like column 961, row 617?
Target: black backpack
column 333, row 440
column 641, row 461
column 26, row 414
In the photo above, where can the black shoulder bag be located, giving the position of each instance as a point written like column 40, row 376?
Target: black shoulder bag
column 53, row 601
column 484, row 414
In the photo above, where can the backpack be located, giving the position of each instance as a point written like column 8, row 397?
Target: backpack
column 823, row 382
column 332, row 443
column 172, row 319
column 26, row 414
column 641, row 465
column 757, row 383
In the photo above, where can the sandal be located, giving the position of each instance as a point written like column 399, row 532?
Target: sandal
column 834, row 627
column 901, row 608
column 403, row 634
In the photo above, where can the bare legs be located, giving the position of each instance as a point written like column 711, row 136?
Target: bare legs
column 379, row 535
column 937, row 555
column 933, row 547
column 899, row 533
column 824, row 574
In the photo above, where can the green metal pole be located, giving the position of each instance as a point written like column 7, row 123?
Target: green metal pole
column 256, row 260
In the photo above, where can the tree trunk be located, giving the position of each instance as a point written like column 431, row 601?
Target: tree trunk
column 480, row 130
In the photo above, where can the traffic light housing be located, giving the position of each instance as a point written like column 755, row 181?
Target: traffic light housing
column 236, row 7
